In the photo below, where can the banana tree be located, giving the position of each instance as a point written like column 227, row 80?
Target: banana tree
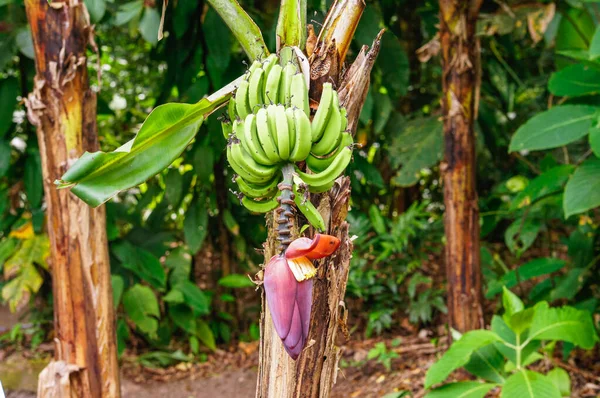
column 289, row 125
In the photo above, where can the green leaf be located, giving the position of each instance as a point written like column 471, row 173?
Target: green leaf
column 7, row 248
column 594, row 50
column 194, row 297
column 128, row 11
column 555, row 127
column 377, row 220
column 551, row 181
column 206, row 335
column 5, row 155
column 141, row 306
column 149, row 25
column 97, row 177
column 236, row 281
column 96, row 8
column 575, row 80
column 122, row 336
column 561, row 380
column 203, row 163
column 459, row 354
column 174, row 186
column 32, row 179
column 582, row 192
column 487, row 363
column 529, row 270
column 195, row 225
column 184, row 318
column 394, row 65
column 382, row 111
column 521, row 234
column 417, row 146
column 9, row 90
column 511, row 303
column 179, row 261
column 528, row 384
column 464, row 389
column 25, row 42
column 230, row 222
column 174, row 296
column 243, row 27
column 563, row 324
column 567, row 286
column 141, row 262
column 595, row 140
column 118, row 285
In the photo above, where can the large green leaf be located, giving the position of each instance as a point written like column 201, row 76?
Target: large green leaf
column 141, row 262
column 459, row 354
column 582, row 192
column 194, row 297
column 149, row 25
column 575, row 80
column 206, row 335
column 142, row 308
column 195, row 225
column 561, row 380
column 532, row 269
column 563, row 324
column 97, row 177
column 521, row 234
column 418, row 145
column 555, row 127
column 179, row 261
column 464, row 389
column 528, row 384
column 488, row 364
column 236, row 281
column 96, row 8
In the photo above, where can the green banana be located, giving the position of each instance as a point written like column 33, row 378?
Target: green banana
column 255, row 65
column 238, row 128
column 243, row 164
column 255, row 191
column 231, row 109
column 268, row 64
column 255, row 90
column 309, row 210
column 264, row 136
column 333, row 131
column 263, row 206
column 271, row 110
column 227, row 128
column 289, row 114
column 272, row 84
column 344, row 113
column 319, row 122
column 303, row 136
column 315, row 188
column 336, row 168
column 252, row 144
column 299, row 93
column 241, row 100
column 318, row 164
column 282, row 132
column 285, row 87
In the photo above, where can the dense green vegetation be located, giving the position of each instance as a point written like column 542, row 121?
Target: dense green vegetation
column 181, row 247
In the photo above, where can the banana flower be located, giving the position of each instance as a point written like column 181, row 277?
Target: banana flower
column 288, row 286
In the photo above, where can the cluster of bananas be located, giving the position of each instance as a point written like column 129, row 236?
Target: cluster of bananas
column 269, row 127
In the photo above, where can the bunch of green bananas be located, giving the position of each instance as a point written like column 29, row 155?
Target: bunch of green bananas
column 269, row 127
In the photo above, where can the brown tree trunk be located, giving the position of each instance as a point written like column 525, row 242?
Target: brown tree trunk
column 314, row 373
column 63, row 108
column 460, row 82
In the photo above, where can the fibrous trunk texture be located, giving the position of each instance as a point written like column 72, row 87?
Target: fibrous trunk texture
column 63, row 108
column 460, row 81
column 314, row 373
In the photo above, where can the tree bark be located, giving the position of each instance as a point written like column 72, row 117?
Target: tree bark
column 63, row 108
column 460, row 82
column 314, row 373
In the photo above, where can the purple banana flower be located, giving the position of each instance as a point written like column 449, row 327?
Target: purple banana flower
column 288, row 287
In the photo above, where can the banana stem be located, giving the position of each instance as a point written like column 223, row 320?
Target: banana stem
column 284, row 214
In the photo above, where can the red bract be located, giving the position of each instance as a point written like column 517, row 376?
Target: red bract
column 288, row 287
column 318, row 247
column 290, row 303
